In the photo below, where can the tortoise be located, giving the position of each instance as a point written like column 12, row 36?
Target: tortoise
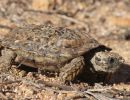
column 56, row 49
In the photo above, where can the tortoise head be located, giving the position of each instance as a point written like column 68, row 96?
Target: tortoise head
column 106, row 61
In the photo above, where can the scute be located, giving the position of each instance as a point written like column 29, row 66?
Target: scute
column 57, row 43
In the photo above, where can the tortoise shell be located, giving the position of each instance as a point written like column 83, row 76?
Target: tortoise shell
column 48, row 44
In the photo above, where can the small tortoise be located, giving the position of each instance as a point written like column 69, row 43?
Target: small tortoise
column 57, row 49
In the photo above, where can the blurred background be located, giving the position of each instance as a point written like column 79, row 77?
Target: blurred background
column 108, row 21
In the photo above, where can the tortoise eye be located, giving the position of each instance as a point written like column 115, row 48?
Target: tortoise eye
column 111, row 60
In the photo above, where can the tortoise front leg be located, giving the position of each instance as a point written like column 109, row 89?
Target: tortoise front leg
column 72, row 69
column 6, row 59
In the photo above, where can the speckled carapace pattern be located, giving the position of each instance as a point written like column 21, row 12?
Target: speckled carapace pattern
column 48, row 44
